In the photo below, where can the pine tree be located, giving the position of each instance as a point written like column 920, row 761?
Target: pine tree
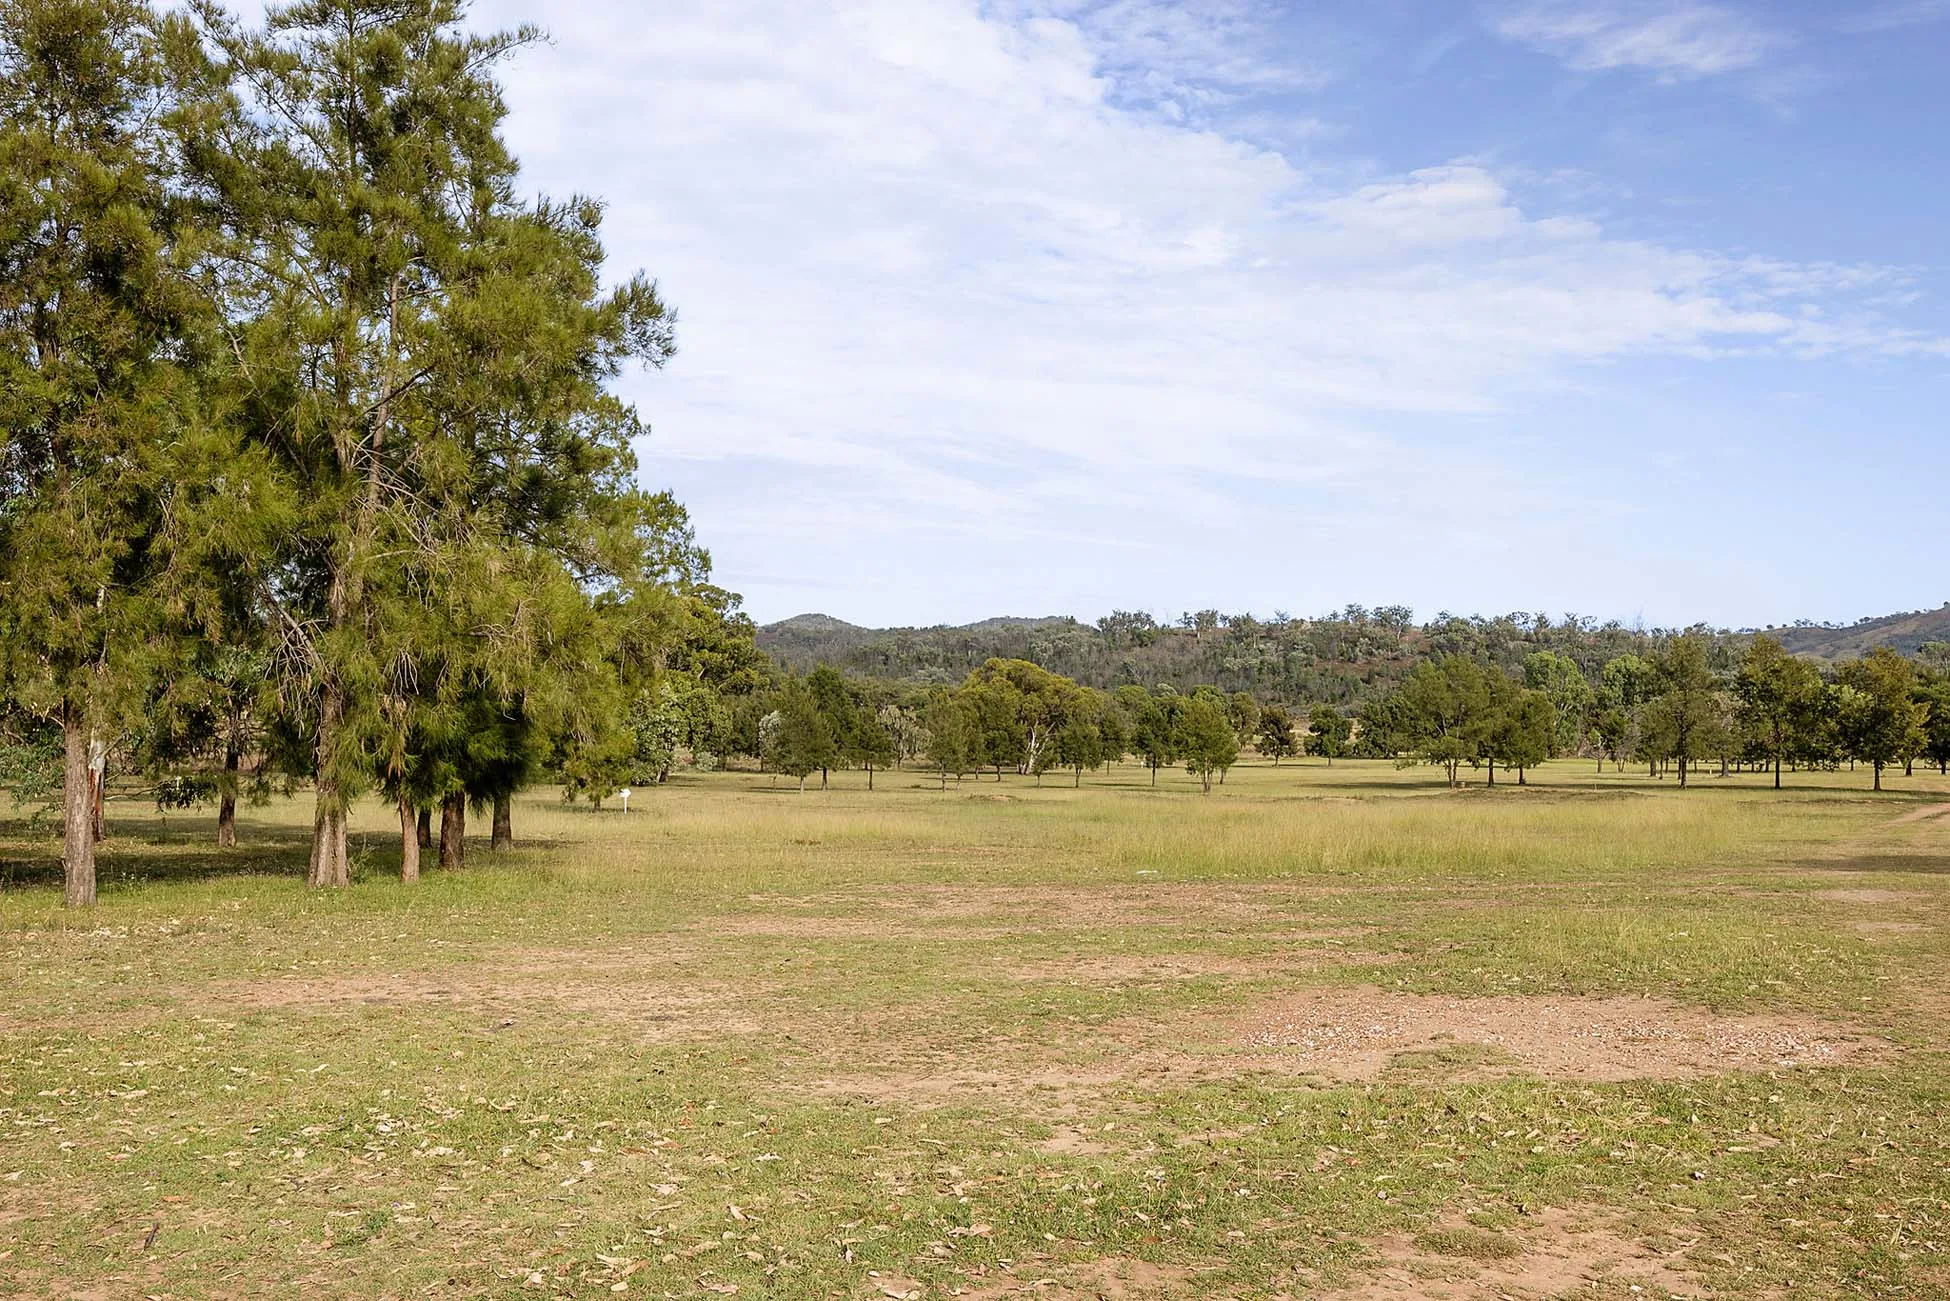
column 804, row 742
column 426, row 359
column 99, row 314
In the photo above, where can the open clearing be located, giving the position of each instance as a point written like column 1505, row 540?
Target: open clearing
column 1330, row 1033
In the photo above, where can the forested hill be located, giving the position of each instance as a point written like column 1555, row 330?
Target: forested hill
column 1339, row 658
column 1907, row 632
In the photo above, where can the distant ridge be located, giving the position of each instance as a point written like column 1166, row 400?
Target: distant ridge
column 1336, row 658
column 1906, row 632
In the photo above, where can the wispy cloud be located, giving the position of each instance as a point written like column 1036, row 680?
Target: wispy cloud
column 1888, row 17
column 1671, row 38
column 945, row 284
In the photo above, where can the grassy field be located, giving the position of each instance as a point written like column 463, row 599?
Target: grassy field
column 1329, row 1033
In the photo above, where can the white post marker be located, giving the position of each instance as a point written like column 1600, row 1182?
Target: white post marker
column 625, row 793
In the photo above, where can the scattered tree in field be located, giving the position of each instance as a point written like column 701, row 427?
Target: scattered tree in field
column 904, row 727
column 1080, row 744
column 803, row 744
column 1381, row 730
column 1328, row 731
column 954, row 735
column 1275, row 739
column 1205, row 739
column 1446, row 712
column 1879, row 717
column 1779, row 697
column 1524, row 732
column 870, row 744
column 1243, row 711
column 1152, row 731
column 1570, row 694
column 1935, row 696
column 1626, row 685
column 1687, row 718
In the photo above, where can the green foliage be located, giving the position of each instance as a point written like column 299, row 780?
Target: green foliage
column 1328, row 732
column 1570, row 694
column 1526, row 729
column 803, row 742
column 1780, row 701
column 1275, row 738
column 1447, row 710
column 1204, row 738
column 954, row 733
column 1880, row 719
column 1688, row 719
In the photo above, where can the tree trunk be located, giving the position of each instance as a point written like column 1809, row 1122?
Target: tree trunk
column 1777, row 771
column 1909, row 766
column 1079, row 781
column 330, row 862
column 802, row 783
column 504, row 823
column 409, row 842
column 227, row 801
column 822, row 779
column 1878, row 765
column 869, row 776
column 453, row 833
column 1682, row 772
column 98, row 790
column 423, row 828
column 77, row 809
column 1492, row 771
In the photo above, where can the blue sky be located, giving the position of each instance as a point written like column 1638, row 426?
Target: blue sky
column 1637, row 308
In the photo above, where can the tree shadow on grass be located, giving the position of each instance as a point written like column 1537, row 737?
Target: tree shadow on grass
column 146, row 850
column 1923, row 864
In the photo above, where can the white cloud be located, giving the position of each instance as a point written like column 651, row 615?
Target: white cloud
column 1673, row 38
column 945, row 284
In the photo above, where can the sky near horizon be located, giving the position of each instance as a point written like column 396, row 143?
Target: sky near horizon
column 1634, row 308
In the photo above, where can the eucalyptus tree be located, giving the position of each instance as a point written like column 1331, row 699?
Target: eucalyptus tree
column 426, row 355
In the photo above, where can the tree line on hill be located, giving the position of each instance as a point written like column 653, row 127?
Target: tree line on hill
column 313, row 470
column 1688, row 701
column 1342, row 657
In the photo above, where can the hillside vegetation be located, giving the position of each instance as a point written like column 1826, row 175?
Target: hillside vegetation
column 1339, row 658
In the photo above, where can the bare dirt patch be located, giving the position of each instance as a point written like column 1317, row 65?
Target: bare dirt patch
column 1114, row 1278
column 614, row 986
column 1924, row 814
column 1358, row 1033
column 1553, row 1253
column 1870, row 897
column 1158, row 968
